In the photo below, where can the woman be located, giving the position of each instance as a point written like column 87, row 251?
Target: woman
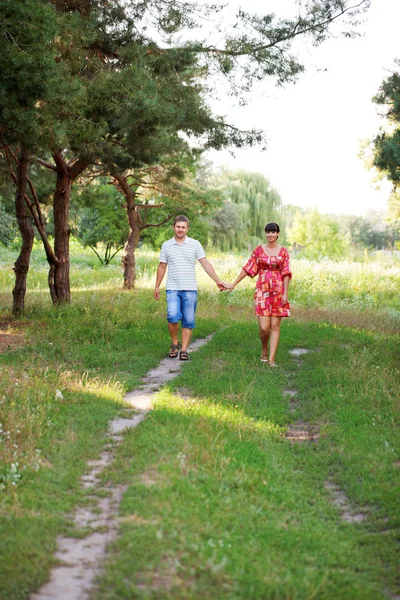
column 271, row 263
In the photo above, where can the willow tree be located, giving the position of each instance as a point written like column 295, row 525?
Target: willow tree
column 254, row 203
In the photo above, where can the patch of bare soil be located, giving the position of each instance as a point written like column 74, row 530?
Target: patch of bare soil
column 165, row 578
column 301, row 431
column 10, row 336
column 299, row 351
column 339, row 500
column 185, row 394
column 292, row 395
column 137, row 520
column 150, row 477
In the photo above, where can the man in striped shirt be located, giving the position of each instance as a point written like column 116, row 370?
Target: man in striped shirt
column 180, row 253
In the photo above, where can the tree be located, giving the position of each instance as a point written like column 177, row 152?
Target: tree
column 100, row 219
column 26, row 67
column 225, row 223
column 124, row 77
column 153, row 196
column 316, row 236
column 394, row 210
column 255, row 203
column 387, row 143
column 372, row 231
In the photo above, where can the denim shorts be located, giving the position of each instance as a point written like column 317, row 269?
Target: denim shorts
column 181, row 306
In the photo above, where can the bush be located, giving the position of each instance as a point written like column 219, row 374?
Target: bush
column 8, row 227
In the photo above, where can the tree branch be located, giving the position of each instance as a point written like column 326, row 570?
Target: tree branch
column 45, row 163
column 293, row 34
column 157, row 224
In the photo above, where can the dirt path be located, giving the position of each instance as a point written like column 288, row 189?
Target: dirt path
column 80, row 559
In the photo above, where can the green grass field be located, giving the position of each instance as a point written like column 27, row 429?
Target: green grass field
column 235, row 509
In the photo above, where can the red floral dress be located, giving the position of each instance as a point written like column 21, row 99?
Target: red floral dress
column 269, row 286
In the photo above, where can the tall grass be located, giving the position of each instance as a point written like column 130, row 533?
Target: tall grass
column 372, row 284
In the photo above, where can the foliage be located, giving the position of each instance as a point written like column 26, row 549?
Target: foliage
column 8, row 228
column 100, row 219
column 373, row 231
column 120, row 83
column 394, row 213
column 387, row 143
column 27, row 66
column 250, row 203
column 198, row 229
column 226, row 223
column 315, row 235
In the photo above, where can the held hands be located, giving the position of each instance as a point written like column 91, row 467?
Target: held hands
column 224, row 287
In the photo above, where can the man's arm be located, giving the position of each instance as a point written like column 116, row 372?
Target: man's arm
column 161, row 269
column 209, row 269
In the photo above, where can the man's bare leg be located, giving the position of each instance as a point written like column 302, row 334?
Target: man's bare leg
column 274, row 338
column 173, row 329
column 264, row 324
column 186, row 335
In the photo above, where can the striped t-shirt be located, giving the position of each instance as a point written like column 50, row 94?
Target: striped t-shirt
column 181, row 260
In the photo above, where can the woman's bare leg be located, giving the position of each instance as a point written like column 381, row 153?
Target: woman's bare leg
column 274, row 338
column 264, row 324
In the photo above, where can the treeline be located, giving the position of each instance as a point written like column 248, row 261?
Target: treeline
column 228, row 212
column 118, row 91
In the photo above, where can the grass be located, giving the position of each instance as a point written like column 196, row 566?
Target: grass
column 234, row 507
column 219, row 503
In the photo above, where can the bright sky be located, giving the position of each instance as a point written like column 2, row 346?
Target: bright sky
column 315, row 126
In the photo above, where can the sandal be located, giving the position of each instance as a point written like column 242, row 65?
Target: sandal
column 174, row 350
column 183, row 355
column 274, row 365
column 264, row 359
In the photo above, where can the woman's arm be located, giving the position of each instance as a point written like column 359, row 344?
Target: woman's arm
column 286, row 280
column 238, row 279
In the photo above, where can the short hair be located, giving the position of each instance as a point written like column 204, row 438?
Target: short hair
column 181, row 219
column 272, row 227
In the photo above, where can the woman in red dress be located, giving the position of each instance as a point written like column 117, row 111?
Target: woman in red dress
column 271, row 263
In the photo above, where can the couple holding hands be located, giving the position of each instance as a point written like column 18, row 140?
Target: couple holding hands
column 269, row 261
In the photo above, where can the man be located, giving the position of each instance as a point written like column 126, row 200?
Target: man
column 180, row 254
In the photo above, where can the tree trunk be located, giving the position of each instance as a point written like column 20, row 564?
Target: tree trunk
column 135, row 227
column 129, row 260
column 21, row 266
column 59, row 273
column 58, row 277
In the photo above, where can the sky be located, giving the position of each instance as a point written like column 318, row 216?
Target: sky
column 315, row 127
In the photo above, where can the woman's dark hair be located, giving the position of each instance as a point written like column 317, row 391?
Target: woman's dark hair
column 272, row 227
